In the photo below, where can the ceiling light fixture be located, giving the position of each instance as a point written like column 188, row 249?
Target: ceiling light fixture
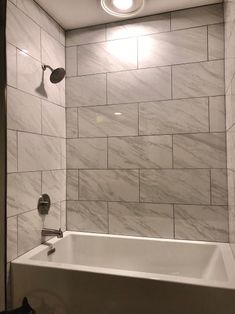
column 122, row 8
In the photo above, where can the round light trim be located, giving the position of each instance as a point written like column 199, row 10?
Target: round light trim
column 122, row 8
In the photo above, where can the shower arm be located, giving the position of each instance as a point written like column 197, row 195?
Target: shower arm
column 45, row 66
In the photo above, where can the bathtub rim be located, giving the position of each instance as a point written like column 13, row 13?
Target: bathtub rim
column 225, row 249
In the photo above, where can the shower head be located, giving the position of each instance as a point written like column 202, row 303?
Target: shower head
column 57, row 75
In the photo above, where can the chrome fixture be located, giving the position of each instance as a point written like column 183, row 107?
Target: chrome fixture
column 44, row 204
column 122, row 8
column 52, row 233
column 57, row 75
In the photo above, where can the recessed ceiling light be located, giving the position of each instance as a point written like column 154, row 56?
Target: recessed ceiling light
column 122, row 8
column 123, row 4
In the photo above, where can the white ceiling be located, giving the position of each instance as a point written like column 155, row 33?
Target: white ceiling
column 72, row 14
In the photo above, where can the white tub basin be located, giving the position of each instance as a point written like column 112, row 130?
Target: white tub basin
column 163, row 263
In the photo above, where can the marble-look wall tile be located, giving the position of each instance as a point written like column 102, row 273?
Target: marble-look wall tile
column 231, row 148
column 109, row 185
column 11, row 238
column 22, row 32
column 217, row 114
column 176, row 47
column 87, row 35
column 52, row 220
column 53, row 53
column 140, row 152
column 149, row 220
column 29, row 231
column 216, row 41
column 36, row 152
column 86, row 91
column 53, row 119
column 71, row 122
column 110, row 56
column 24, row 190
column 188, row 186
column 87, row 216
column 62, row 36
column 72, row 185
column 207, row 223
column 63, row 216
column 200, row 150
column 204, row 15
column 139, row 85
column 29, row 75
column 198, row 79
column 11, row 65
column 71, row 61
column 219, row 188
column 102, row 121
column 174, row 116
column 11, row 151
column 23, row 111
column 139, row 27
column 86, row 153
column 54, row 184
column 33, row 10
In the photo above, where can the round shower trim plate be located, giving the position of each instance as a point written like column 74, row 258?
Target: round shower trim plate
column 110, row 8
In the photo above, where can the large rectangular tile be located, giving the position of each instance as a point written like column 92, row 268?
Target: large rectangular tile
column 219, row 187
column 139, row 85
column 23, row 192
column 11, row 151
column 109, row 185
column 175, row 186
column 109, row 56
column 231, row 148
column 86, row 153
column 87, row 216
column 140, row 152
column 217, row 114
column 23, row 111
column 174, row 116
column 198, row 79
column 102, row 121
column 33, row 10
column 176, row 47
column 53, row 119
column 216, row 41
column 86, row 91
column 207, row 223
column 71, row 122
column 36, row 152
column 72, row 185
column 71, row 61
column 204, row 15
column 22, row 32
column 86, row 35
column 54, row 184
column 11, row 238
column 149, row 220
column 140, row 26
column 29, row 231
column 63, row 216
column 200, row 150
column 53, row 53
column 11, row 65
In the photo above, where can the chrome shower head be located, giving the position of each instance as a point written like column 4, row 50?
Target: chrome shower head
column 57, row 75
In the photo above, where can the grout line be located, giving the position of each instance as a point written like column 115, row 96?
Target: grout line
column 209, row 117
column 108, row 222
column 210, row 188
column 173, row 221
column 207, row 42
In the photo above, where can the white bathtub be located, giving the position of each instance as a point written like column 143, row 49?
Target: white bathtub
column 97, row 274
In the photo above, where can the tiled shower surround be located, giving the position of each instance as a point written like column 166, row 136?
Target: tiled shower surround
column 145, row 117
column 36, row 125
column 230, row 110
